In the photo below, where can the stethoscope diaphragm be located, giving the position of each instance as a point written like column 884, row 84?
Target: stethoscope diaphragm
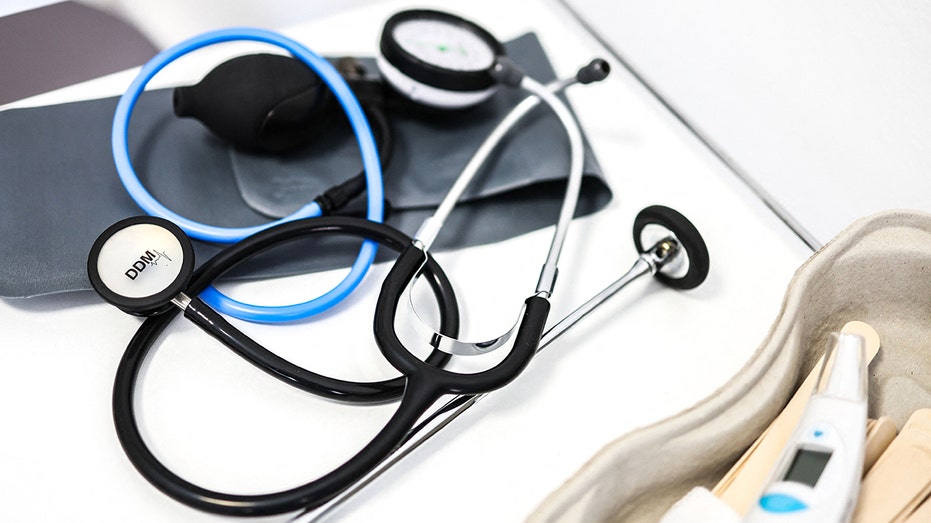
column 140, row 264
column 689, row 268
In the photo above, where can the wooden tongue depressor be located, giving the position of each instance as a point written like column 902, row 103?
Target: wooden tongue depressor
column 879, row 434
column 742, row 484
column 901, row 478
column 922, row 514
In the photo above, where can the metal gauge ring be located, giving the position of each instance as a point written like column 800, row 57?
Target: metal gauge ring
column 438, row 59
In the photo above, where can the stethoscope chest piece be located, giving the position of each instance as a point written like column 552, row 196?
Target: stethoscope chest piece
column 141, row 264
column 689, row 267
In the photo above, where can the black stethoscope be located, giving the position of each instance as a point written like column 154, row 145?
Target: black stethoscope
column 671, row 249
column 144, row 266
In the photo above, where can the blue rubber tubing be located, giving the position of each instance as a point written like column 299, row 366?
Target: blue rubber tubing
column 364, row 137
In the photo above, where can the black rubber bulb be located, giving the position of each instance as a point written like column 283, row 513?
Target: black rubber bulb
column 259, row 102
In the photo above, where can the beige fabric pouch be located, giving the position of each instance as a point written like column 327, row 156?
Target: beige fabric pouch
column 878, row 270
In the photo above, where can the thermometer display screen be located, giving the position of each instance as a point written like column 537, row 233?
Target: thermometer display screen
column 807, row 466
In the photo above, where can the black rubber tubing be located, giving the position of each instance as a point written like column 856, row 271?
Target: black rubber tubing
column 339, row 195
column 433, row 378
column 311, row 494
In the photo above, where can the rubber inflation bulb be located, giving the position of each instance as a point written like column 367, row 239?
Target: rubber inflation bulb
column 259, row 102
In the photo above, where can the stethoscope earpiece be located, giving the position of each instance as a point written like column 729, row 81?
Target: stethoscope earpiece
column 141, row 264
column 595, row 71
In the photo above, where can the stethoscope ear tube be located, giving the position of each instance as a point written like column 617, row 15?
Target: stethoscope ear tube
column 425, row 375
column 403, row 271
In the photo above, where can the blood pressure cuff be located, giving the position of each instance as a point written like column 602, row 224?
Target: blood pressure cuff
column 61, row 189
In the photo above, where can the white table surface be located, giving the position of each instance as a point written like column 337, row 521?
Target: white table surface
column 217, row 421
column 822, row 105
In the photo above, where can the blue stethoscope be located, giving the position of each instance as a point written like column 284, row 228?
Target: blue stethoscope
column 200, row 231
column 670, row 248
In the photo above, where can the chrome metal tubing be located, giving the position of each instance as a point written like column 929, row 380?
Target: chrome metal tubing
column 647, row 263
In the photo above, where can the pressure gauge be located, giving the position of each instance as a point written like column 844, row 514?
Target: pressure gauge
column 445, row 45
column 438, row 59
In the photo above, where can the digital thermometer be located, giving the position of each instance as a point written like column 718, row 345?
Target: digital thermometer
column 817, row 476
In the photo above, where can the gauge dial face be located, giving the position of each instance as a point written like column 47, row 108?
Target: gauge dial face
column 444, row 45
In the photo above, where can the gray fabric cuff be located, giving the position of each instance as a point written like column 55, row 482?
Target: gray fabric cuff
column 61, row 188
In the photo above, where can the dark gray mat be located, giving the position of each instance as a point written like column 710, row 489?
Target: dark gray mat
column 60, row 188
column 62, row 44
